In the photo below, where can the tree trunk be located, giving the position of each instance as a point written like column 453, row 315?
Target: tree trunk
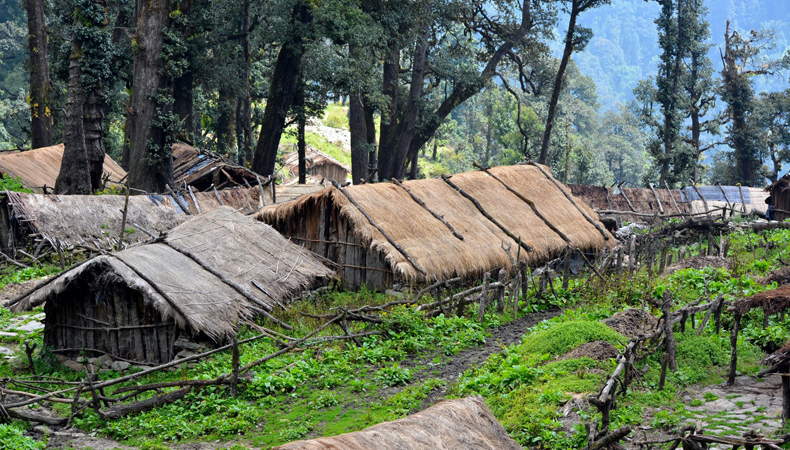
column 40, row 110
column 302, row 148
column 555, row 93
column 389, row 119
column 226, row 122
column 370, row 129
column 74, row 177
column 359, row 138
column 93, row 127
column 281, row 94
column 150, row 163
column 407, row 128
column 184, row 104
column 244, row 114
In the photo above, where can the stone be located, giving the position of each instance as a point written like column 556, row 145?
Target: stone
column 39, row 316
column 105, row 360
column 33, row 325
column 8, row 334
column 185, row 354
column 73, row 365
column 43, row 429
column 120, row 366
column 185, row 344
column 92, row 360
column 5, row 351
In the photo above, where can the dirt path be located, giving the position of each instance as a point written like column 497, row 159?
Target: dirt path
column 449, row 371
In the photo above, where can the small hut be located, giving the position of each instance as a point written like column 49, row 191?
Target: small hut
column 200, row 282
column 319, row 165
column 203, row 170
column 40, row 167
column 95, row 220
column 435, row 229
column 460, row 424
column 745, row 199
column 780, row 197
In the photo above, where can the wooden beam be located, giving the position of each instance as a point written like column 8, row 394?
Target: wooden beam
column 434, row 214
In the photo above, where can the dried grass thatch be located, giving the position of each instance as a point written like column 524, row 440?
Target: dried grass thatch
column 202, row 169
column 40, row 167
column 772, row 301
column 461, row 424
column 95, row 220
column 319, row 165
column 430, row 242
column 185, row 275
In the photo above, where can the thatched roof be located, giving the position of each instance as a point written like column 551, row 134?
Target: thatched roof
column 430, row 242
column 179, row 274
column 201, row 169
column 771, row 301
column 94, row 220
column 460, row 424
column 39, row 167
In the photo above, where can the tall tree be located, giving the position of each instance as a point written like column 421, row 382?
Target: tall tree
column 40, row 105
column 152, row 124
column 576, row 38
column 283, row 86
column 699, row 85
column 772, row 115
column 89, row 67
column 742, row 59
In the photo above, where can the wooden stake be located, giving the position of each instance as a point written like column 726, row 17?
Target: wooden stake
column 658, row 200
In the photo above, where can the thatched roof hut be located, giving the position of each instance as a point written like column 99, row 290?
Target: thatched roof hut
column 95, row 220
column 780, row 197
column 40, row 167
column 427, row 230
column 460, row 424
column 200, row 281
column 202, row 169
column 319, row 165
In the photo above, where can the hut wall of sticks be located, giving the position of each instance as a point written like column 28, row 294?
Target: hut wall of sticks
column 780, row 197
column 631, row 200
column 38, row 169
column 199, row 283
column 423, row 231
column 319, row 165
column 94, row 221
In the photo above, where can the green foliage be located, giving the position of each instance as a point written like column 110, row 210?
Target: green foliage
column 566, row 336
column 336, row 117
column 12, row 436
column 393, row 375
column 14, row 184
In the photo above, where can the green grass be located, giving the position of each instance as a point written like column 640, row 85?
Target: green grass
column 335, row 150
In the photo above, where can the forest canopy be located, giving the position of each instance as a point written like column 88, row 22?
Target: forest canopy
column 665, row 92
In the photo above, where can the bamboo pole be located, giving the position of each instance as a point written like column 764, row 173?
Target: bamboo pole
column 655, row 194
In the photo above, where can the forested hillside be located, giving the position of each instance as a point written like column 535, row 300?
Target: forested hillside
column 625, row 49
column 633, row 92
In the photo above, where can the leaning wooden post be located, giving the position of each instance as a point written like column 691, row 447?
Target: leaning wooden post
column 663, row 258
column 234, row 378
column 734, row 348
column 566, row 271
column 524, row 284
column 632, row 254
column 481, row 309
column 669, row 337
column 785, row 392
column 500, row 292
column 717, row 315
